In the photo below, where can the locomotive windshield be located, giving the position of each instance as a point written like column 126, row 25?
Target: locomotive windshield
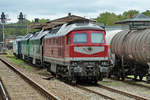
column 97, row 38
column 80, row 38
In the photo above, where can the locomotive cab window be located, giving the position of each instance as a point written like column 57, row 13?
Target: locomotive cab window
column 80, row 38
column 97, row 38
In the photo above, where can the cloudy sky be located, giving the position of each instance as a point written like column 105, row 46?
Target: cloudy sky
column 52, row 9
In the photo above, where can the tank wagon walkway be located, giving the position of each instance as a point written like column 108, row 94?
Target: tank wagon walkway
column 16, row 87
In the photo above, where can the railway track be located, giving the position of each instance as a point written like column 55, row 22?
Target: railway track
column 97, row 93
column 127, row 96
column 43, row 92
column 122, row 92
column 92, row 91
column 3, row 93
column 132, row 82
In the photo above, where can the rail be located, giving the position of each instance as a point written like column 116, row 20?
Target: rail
column 31, row 82
column 3, row 91
column 122, row 92
column 100, row 94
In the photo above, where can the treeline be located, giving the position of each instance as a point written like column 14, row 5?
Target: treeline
column 20, row 31
column 107, row 18
column 110, row 18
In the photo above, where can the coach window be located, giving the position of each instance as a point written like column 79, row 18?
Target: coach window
column 57, row 41
column 80, row 38
column 97, row 38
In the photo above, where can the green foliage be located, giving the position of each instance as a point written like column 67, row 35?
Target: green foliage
column 21, row 31
column 107, row 18
column 126, row 14
column 110, row 18
column 147, row 13
column 43, row 20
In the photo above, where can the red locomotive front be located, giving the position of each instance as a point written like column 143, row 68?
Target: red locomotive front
column 77, row 51
column 87, row 44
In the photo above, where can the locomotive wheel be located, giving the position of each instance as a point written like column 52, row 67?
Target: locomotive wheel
column 118, row 78
column 141, row 77
column 74, row 82
column 48, row 69
column 135, row 77
column 122, row 78
column 101, row 77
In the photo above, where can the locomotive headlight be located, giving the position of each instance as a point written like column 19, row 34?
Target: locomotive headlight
column 74, row 64
column 78, row 69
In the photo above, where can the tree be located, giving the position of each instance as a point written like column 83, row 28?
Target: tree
column 126, row 14
column 147, row 13
column 42, row 20
column 107, row 18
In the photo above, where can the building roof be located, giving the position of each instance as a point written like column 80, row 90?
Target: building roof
column 136, row 18
column 57, row 22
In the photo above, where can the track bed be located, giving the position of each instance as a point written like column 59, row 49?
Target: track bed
column 16, row 87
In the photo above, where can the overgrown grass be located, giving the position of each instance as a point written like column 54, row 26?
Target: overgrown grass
column 17, row 61
column 132, row 76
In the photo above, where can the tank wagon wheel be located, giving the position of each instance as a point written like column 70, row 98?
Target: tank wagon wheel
column 148, row 78
column 141, row 77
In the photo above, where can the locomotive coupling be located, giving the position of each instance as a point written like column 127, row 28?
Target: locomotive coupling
column 103, row 69
column 78, row 69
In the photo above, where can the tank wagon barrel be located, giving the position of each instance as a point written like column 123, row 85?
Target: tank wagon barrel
column 132, row 51
column 132, row 45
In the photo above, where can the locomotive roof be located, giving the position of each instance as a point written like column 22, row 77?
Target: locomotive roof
column 26, row 37
column 39, row 35
column 67, row 27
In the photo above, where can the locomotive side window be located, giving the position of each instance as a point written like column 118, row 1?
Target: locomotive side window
column 97, row 38
column 69, row 40
column 80, row 38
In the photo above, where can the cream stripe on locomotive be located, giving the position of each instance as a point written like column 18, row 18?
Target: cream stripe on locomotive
column 88, row 50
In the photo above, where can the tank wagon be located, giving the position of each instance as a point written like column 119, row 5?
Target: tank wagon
column 131, row 49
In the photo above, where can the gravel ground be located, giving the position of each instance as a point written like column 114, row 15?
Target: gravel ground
column 66, row 92
column 17, row 88
column 58, row 88
column 123, row 86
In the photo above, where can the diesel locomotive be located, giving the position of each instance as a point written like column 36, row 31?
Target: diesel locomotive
column 75, row 50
